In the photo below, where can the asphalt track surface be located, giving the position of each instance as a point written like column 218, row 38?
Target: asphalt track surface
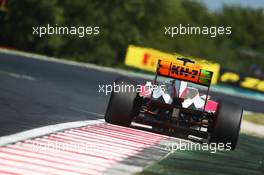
column 35, row 93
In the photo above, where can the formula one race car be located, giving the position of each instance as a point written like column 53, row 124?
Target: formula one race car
column 171, row 104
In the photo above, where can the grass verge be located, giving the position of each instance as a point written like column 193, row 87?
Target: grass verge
column 248, row 158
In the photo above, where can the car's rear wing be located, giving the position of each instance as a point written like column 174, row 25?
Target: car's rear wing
column 184, row 72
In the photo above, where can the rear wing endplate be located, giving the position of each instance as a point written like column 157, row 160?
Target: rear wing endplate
column 184, row 72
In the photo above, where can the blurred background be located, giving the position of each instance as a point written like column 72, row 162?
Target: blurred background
column 140, row 23
column 36, row 93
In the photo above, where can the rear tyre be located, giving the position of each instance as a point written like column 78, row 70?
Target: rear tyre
column 226, row 125
column 122, row 105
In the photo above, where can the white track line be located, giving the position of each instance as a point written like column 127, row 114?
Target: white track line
column 45, row 130
column 252, row 128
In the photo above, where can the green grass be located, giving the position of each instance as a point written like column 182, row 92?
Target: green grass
column 254, row 118
column 248, row 158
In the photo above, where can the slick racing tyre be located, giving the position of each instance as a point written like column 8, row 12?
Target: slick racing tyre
column 226, row 125
column 122, row 104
